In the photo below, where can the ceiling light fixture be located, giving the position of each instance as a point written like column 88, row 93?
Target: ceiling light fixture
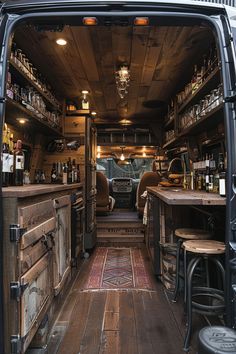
column 90, row 21
column 98, row 155
column 122, row 156
column 122, row 77
column 94, row 114
column 144, row 154
column 22, row 120
column 61, row 41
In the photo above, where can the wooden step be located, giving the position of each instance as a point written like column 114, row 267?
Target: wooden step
column 120, row 231
column 106, row 238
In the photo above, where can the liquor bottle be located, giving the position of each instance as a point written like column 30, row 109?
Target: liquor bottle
column 207, row 175
column 74, row 172
column 211, row 176
column 222, row 176
column 64, row 174
column 18, row 164
column 11, row 157
column 78, row 173
column 194, row 80
column 69, row 171
column 5, row 155
column 54, row 174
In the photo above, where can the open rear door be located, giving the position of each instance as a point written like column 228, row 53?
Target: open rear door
column 229, row 78
column 3, row 56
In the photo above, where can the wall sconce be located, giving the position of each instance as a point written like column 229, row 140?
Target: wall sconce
column 122, row 77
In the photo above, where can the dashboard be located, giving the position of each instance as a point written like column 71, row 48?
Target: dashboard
column 123, row 189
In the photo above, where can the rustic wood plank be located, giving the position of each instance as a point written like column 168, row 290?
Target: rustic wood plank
column 72, row 339
column 30, row 255
column 128, row 338
column 92, row 337
column 143, row 335
column 110, row 343
column 37, row 232
column 35, row 214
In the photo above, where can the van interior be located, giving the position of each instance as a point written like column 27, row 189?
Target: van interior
column 110, row 113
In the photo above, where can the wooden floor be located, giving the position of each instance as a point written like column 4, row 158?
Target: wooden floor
column 118, row 322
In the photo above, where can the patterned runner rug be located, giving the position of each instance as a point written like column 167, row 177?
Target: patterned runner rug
column 118, row 268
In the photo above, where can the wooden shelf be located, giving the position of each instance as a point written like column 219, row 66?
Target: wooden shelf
column 16, row 110
column 210, row 83
column 169, row 123
column 205, row 122
column 78, row 112
column 25, row 80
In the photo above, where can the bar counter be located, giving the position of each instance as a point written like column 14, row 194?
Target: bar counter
column 179, row 196
column 36, row 189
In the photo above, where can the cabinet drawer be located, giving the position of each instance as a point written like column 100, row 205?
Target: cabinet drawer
column 74, row 126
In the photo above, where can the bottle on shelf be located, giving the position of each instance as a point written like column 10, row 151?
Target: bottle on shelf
column 211, row 175
column 64, row 174
column 222, row 175
column 54, row 174
column 18, row 164
column 11, row 157
column 207, row 175
column 5, row 155
column 74, row 171
column 78, row 173
column 69, row 171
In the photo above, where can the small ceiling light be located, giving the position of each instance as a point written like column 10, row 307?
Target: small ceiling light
column 125, row 122
column 122, row 156
column 61, row 41
column 98, row 155
column 141, row 21
column 90, row 21
column 85, row 92
column 22, row 120
column 93, row 113
column 99, row 148
column 144, row 154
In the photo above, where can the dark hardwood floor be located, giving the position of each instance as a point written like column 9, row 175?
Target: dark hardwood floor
column 119, row 322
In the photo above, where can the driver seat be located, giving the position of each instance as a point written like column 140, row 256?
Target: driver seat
column 148, row 179
column 104, row 202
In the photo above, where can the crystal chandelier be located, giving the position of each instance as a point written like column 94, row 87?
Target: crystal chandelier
column 122, row 77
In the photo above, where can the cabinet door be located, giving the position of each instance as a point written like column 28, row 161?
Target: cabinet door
column 39, row 222
column 62, row 249
column 36, row 296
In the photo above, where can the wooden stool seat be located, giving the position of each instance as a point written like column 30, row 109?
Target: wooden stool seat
column 204, row 246
column 192, row 234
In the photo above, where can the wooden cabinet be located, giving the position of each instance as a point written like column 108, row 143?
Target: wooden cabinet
column 36, row 258
column 74, row 126
column 62, row 242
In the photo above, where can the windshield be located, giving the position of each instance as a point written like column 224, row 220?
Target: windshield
column 132, row 168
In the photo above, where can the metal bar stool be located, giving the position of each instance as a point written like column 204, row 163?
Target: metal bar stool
column 183, row 235
column 203, row 250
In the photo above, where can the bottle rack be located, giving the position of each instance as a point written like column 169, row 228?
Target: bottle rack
column 200, row 122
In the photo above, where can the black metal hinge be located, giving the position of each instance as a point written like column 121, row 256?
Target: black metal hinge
column 3, row 99
column 16, row 232
column 231, row 98
column 16, row 290
column 16, row 344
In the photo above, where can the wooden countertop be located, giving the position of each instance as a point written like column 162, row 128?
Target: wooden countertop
column 36, row 189
column 179, row 196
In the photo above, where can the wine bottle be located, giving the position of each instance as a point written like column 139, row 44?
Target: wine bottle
column 207, row 176
column 53, row 174
column 18, row 164
column 5, row 155
column 64, row 174
column 222, row 175
column 74, row 172
column 11, row 157
column 69, row 171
